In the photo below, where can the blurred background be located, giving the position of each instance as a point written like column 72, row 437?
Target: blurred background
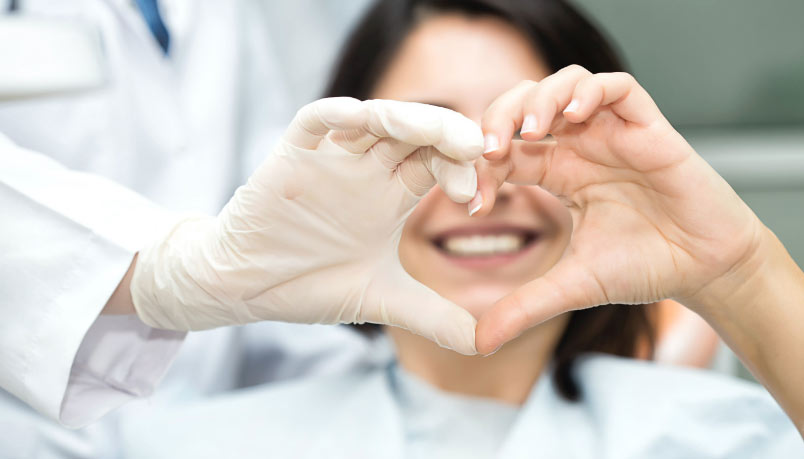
column 728, row 74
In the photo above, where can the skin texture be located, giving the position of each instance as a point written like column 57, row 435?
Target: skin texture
column 633, row 187
column 651, row 220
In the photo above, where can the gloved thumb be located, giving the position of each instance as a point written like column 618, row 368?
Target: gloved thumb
column 395, row 298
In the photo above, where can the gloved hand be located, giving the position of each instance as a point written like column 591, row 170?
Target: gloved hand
column 313, row 236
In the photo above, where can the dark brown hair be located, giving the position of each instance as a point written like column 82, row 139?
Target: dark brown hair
column 563, row 37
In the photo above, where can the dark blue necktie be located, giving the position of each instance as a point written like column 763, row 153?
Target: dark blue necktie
column 150, row 11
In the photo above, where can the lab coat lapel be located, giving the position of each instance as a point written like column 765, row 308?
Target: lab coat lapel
column 129, row 16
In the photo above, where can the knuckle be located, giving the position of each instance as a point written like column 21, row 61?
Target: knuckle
column 575, row 69
column 534, row 98
column 305, row 110
column 533, row 91
column 305, row 118
column 585, row 83
column 488, row 120
column 626, row 77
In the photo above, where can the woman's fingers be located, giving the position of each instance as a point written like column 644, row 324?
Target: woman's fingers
column 529, row 107
column 571, row 95
column 526, row 164
column 502, row 119
column 566, row 287
column 547, row 100
column 574, row 92
column 620, row 91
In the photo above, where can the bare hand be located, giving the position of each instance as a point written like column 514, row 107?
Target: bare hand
column 651, row 219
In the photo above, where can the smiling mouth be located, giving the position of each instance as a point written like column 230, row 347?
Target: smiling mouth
column 485, row 245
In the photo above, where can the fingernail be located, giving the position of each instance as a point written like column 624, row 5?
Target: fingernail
column 492, row 143
column 572, row 106
column 476, row 203
column 529, row 124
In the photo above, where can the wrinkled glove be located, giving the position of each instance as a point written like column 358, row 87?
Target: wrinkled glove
column 313, row 236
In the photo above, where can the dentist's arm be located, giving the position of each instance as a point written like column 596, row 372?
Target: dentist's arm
column 311, row 238
column 67, row 240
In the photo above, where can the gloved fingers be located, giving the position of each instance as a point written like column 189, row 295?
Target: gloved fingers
column 420, row 168
column 414, row 173
column 458, row 179
column 356, row 141
column 420, row 171
column 392, row 152
column 451, row 133
column 402, row 301
column 313, row 121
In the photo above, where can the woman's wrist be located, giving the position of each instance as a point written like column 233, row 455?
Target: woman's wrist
column 758, row 310
column 763, row 274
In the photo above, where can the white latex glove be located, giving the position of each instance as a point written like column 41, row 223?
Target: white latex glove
column 313, row 236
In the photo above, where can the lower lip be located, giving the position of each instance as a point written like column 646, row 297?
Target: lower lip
column 489, row 261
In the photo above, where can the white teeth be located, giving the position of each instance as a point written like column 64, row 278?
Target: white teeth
column 486, row 245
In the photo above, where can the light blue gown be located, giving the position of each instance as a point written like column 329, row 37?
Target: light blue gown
column 629, row 409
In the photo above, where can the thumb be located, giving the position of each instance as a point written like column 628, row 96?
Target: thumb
column 566, row 287
column 395, row 298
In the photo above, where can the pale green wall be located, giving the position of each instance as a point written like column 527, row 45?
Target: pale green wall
column 713, row 62
column 766, row 167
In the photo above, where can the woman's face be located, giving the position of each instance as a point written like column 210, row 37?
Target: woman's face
column 464, row 63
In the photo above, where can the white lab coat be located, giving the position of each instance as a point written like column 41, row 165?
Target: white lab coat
column 629, row 410
column 181, row 133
